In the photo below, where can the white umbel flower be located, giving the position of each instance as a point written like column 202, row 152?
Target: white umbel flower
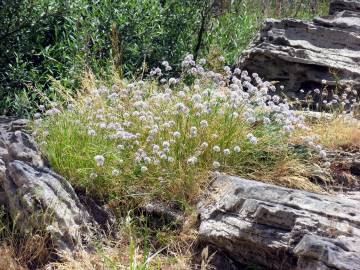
column 192, row 160
column 237, row 149
column 100, row 160
column 204, row 124
column 91, row 132
column 115, row 172
column 216, row 164
column 216, row 148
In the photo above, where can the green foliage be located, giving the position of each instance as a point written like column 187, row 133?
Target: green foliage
column 232, row 32
column 48, row 39
column 33, row 46
column 44, row 40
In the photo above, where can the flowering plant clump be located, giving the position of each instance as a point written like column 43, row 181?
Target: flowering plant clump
column 163, row 137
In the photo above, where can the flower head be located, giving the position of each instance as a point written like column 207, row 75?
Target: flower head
column 115, row 172
column 192, row 160
column 91, row 132
column 216, row 148
column 226, row 152
column 322, row 154
column 216, row 164
column 203, row 123
column 237, row 149
column 176, row 134
column 143, row 169
column 252, row 138
column 100, row 160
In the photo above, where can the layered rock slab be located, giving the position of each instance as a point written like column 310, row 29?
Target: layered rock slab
column 34, row 195
column 300, row 54
column 280, row 228
column 340, row 5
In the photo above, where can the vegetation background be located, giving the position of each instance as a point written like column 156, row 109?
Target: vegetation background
column 46, row 40
column 51, row 50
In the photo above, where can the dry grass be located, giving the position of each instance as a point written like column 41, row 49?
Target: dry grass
column 165, row 250
column 32, row 248
column 116, row 258
column 21, row 252
column 7, row 259
column 337, row 133
column 291, row 173
column 170, row 251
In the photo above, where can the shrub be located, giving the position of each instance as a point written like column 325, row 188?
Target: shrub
column 35, row 45
column 48, row 39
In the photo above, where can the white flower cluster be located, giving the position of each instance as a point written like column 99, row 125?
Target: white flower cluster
column 211, row 121
column 311, row 141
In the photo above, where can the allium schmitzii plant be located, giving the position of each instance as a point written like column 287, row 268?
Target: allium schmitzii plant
column 163, row 137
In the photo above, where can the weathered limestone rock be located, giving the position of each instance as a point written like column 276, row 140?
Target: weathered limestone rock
column 300, row 54
column 340, row 5
column 280, row 228
column 34, row 195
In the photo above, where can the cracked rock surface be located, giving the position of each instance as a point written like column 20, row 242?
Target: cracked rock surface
column 300, row 54
column 34, row 195
column 280, row 228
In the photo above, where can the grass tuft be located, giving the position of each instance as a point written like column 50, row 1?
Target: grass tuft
column 143, row 140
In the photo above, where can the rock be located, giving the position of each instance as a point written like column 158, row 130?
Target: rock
column 354, row 195
column 300, row 54
column 344, row 170
column 2, row 198
column 327, row 254
column 340, row 5
column 17, row 124
column 35, row 196
column 346, row 20
column 280, row 228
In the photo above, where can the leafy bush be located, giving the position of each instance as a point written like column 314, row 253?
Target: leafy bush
column 48, row 39
column 35, row 46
